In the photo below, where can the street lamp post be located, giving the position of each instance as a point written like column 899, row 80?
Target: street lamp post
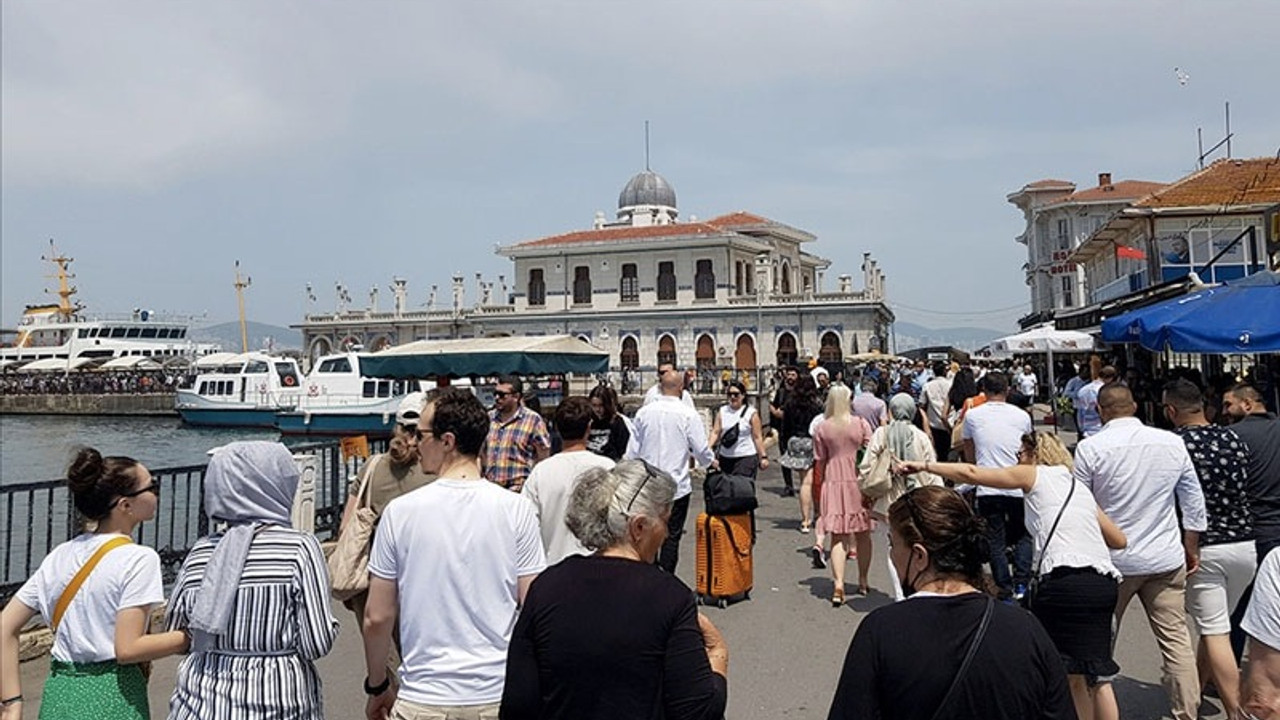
column 762, row 277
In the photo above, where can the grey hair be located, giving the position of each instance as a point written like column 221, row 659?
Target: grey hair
column 602, row 501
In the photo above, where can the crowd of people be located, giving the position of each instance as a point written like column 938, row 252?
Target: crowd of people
column 119, row 382
column 546, row 550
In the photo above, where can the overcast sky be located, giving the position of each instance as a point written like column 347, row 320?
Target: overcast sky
column 326, row 142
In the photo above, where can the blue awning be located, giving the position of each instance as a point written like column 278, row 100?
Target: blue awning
column 1242, row 316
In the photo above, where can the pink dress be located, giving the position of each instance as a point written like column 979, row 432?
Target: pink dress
column 841, row 502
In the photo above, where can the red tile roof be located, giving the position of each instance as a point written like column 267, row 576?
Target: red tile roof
column 1226, row 182
column 1123, row 190
column 626, row 233
column 739, row 219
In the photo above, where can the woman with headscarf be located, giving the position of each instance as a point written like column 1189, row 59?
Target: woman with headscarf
column 836, row 443
column 904, row 441
column 254, row 597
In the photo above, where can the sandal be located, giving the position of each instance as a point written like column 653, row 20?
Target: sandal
column 805, row 528
column 837, row 597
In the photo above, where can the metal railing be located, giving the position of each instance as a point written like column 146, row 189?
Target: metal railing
column 36, row 517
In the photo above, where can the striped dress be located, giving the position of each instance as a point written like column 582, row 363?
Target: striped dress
column 263, row 666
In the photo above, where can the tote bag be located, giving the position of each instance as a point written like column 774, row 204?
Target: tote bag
column 349, row 563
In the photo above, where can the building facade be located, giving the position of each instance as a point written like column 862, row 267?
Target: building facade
column 1058, row 218
column 737, row 291
column 1218, row 224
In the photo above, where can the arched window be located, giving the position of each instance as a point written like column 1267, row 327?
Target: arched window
column 629, row 358
column 744, row 357
column 830, row 350
column 787, row 354
column 704, row 281
column 537, row 292
column 786, row 278
column 738, row 278
column 667, row 350
column 706, row 352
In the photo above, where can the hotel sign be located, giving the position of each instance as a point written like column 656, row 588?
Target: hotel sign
column 1060, row 265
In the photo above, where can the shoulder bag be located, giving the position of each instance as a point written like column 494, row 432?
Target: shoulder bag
column 1033, row 586
column 878, row 480
column 73, row 587
column 349, row 563
column 968, row 659
column 729, row 435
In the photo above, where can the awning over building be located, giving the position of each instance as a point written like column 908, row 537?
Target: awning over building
column 130, row 362
column 1242, row 316
column 56, row 365
column 547, row 355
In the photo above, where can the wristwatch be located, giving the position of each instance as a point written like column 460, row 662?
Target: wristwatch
column 370, row 690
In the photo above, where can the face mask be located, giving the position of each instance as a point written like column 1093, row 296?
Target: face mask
column 909, row 585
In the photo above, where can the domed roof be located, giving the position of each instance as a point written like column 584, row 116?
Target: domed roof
column 647, row 188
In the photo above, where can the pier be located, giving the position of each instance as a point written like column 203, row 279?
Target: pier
column 151, row 404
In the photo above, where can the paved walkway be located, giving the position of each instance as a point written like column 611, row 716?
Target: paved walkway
column 786, row 644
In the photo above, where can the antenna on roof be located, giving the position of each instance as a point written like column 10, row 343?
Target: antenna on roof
column 1224, row 141
column 646, row 145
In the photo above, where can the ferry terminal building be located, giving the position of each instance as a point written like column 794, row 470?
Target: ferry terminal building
column 739, row 291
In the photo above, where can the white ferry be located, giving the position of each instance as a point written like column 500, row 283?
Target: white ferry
column 338, row 400
column 61, row 337
column 239, row 390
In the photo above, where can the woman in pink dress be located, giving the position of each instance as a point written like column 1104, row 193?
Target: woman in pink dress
column 835, row 456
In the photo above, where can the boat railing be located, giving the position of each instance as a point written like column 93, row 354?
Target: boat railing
column 35, row 517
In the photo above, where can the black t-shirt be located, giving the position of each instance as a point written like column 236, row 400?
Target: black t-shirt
column 609, row 438
column 1262, row 434
column 609, row 638
column 904, row 656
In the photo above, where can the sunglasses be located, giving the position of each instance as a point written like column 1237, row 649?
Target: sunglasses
column 500, row 394
column 735, row 393
column 153, row 488
column 650, row 471
column 419, row 434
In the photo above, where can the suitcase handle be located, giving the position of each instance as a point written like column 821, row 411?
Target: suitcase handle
column 728, row 530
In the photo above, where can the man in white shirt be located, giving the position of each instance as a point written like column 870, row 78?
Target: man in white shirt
column 1137, row 475
column 1027, row 382
column 665, row 369
column 992, row 438
column 668, row 434
column 933, row 399
column 552, row 481
column 461, row 554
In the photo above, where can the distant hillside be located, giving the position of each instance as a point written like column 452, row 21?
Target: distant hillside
column 261, row 336
column 910, row 336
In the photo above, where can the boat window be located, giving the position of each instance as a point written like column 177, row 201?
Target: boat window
column 256, row 367
column 370, row 388
column 149, row 332
column 83, row 333
column 335, row 365
column 133, row 332
column 117, row 332
column 204, row 387
column 384, row 388
column 181, row 333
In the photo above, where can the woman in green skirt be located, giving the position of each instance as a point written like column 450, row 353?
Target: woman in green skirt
column 96, row 592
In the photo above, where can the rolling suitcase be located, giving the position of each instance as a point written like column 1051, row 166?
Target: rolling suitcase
column 724, row 573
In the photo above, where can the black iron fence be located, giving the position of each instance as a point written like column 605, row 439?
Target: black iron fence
column 35, row 517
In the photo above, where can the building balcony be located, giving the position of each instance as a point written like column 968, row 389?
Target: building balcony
column 1120, row 287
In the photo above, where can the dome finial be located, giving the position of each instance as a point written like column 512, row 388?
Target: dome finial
column 646, row 146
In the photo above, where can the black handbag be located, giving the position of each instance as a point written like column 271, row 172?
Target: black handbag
column 729, row 437
column 1033, row 586
column 729, row 494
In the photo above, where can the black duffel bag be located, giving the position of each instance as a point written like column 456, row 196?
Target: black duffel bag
column 729, row 494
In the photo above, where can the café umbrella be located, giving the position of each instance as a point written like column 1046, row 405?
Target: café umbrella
column 1045, row 339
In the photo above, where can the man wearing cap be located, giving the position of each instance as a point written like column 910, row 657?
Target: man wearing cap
column 822, row 379
column 387, row 476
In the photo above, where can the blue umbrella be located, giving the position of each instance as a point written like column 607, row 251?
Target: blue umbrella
column 1242, row 316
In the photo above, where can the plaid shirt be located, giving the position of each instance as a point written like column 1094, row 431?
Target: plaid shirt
column 511, row 447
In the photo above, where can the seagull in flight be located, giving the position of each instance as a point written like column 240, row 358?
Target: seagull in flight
column 1183, row 78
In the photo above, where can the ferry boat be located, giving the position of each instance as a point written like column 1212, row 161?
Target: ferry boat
column 338, row 400
column 239, row 390
column 62, row 337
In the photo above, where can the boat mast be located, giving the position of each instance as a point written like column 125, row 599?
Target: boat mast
column 240, row 286
column 65, row 289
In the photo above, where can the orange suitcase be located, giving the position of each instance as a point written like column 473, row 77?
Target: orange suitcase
column 724, row 573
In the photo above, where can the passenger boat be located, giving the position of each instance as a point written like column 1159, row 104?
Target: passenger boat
column 62, row 337
column 338, row 400
column 239, row 390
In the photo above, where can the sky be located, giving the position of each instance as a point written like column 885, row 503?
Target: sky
column 349, row 142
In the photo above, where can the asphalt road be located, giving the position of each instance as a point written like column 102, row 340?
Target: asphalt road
column 786, row 643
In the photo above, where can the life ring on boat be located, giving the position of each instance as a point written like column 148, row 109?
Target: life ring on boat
column 290, row 381
column 314, row 390
column 262, row 387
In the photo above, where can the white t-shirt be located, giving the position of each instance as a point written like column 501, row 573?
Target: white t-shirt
column 1026, row 383
column 1262, row 619
column 456, row 549
column 996, row 429
column 934, row 399
column 126, row 577
column 1077, row 542
column 746, row 445
column 549, row 487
